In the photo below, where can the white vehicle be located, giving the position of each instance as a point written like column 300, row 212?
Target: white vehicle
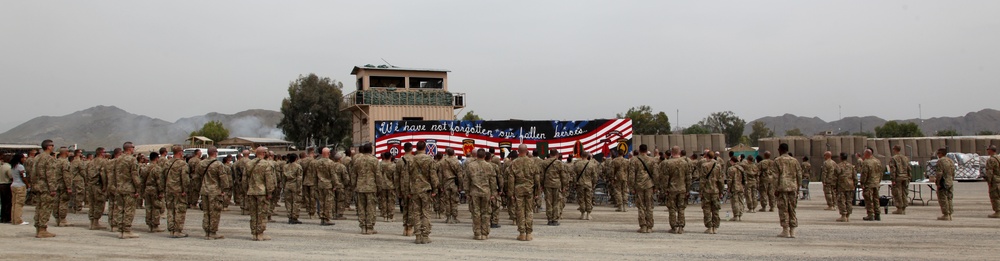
column 223, row 153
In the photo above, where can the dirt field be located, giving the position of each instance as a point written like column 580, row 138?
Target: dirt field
column 610, row 236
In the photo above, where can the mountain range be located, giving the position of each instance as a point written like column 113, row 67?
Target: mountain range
column 970, row 124
column 109, row 126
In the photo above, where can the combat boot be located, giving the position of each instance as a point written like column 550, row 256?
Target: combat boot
column 264, row 237
column 494, row 225
column 477, row 237
column 43, row 233
column 791, row 232
column 763, row 209
column 555, row 223
column 878, row 217
column 784, row 232
column 945, row 217
column 680, row 230
column 994, row 215
column 528, row 237
column 641, row 230
column 114, row 229
column 588, row 215
column 672, row 230
column 708, row 231
column 521, row 237
column 64, row 223
column 455, row 219
column 843, row 218
column 155, row 229
column 897, row 211
column 427, row 240
column 371, row 231
column 771, row 209
column 256, row 237
column 364, row 231
column 128, row 234
column 311, row 216
column 734, row 218
column 216, row 236
column 829, row 208
column 583, row 215
column 868, row 218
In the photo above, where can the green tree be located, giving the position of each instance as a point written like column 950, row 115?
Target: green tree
column 725, row 122
column 745, row 140
column 794, row 132
column 644, row 122
column 471, row 116
column 697, row 129
column 947, row 133
column 312, row 114
column 986, row 132
column 893, row 129
column 212, row 130
column 758, row 130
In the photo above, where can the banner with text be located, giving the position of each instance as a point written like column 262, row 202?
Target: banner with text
column 465, row 137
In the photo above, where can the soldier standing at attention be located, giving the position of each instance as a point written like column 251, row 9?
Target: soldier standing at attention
column 215, row 182
column 620, row 177
column 95, row 189
column 676, row 178
column 523, row 177
column 767, row 175
column 481, row 182
column 644, row 173
column 737, row 180
column 899, row 169
column 406, row 198
column 585, row 171
column 293, row 186
column 451, row 177
column 127, row 184
column 554, row 185
column 154, row 175
column 174, row 187
column 788, row 177
column 829, row 180
column 367, row 174
column 194, row 164
column 260, row 184
column 327, row 182
column 993, row 180
column 844, row 182
column 65, row 187
column 309, row 193
column 752, row 181
column 423, row 184
column 871, row 174
column 712, row 184
column 45, row 188
column 497, row 202
column 241, row 185
column 387, row 195
column 78, row 169
column 945, row 178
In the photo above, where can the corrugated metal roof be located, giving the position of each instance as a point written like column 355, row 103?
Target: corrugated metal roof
column 356, row 68
column 201, row 138
column 263, row 140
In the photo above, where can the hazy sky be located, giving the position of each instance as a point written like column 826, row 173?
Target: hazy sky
column 514, row 59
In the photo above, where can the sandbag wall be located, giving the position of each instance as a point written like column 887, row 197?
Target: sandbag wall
column 689, row 142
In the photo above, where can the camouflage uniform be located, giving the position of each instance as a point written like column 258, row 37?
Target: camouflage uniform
column 260, row 185
column 711, row 184
column 342, row 198
column 423, row 183
column 64, row 186
column 993, row 179
column 451, row 177
column 497, row 202
column 328, row 179
column 644, row 173
column 126, row 182
column 45, row 181
column 309, row 193
column 194, row 190
column 387, row 195
column 789, row 176
column 676, row 181
column 215, row 183
column 553, row 185
column 293, row 186
column 176, row 180
column 899, row 169
column 368, row 175
column 239, row 183
column 622, row 176
column 830, row 182
column 766, row 186
column 752, row 184
column 871, row 175
column 945, row 175
column 586, row 178
column 152, row 175
column 480, row 180
column 845, row 182
column 403, row 175
column 78, row 168
column 737, row 180
column 523, row 175
column 95, row 190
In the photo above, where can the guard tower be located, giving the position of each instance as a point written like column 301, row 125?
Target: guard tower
column 389, row 93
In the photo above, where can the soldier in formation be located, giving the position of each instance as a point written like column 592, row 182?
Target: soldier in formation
column 712, row 184
column 423, row 186
column 554, row 184
column 788, row 177
column 260, row 185
column 585, row 171
column 368, row 176
column 292, row 176
column 944, row 178
column 524, row 175
column 829, row 180
column 642, row 167
column 899, row 170
column 481, row 182
column 871, row 175
column 993, row 180
column 215, row 182
column 844, row 184
column 737, row 180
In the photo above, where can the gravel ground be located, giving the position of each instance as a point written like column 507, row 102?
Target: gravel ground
column 610, row 235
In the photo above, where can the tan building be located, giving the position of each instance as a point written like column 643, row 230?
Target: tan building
column 385, row 93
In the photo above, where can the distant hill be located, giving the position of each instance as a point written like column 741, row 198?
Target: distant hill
column 970, row 124
column 109, row 126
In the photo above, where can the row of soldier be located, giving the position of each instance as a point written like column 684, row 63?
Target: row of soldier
column 326, row 184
